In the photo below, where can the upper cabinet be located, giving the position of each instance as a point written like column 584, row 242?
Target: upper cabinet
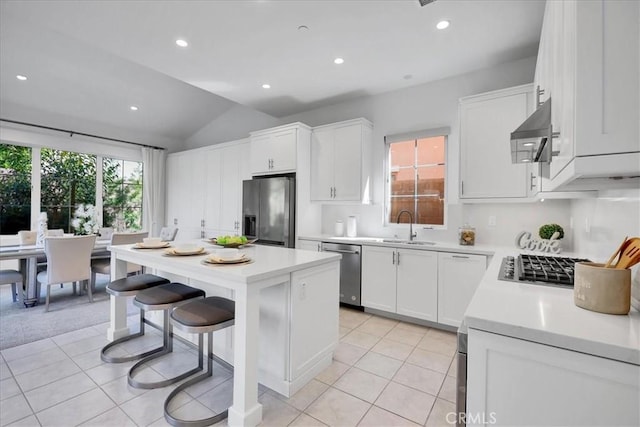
column 486, row 122
column 588, row 66
column 341, row 161
column 275, row 150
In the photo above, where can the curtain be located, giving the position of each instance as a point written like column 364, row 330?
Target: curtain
column 153, row 189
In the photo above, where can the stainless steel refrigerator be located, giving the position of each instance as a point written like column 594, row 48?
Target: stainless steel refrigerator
column 268, row 210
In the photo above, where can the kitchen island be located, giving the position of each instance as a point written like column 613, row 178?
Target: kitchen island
column 286, row 320
column 535, row 358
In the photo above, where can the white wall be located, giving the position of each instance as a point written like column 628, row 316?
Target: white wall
column 429, row 106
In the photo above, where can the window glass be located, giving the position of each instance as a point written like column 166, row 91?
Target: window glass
column 122, row 194
column 15, row 188
column 416, row 181
column 68, row 180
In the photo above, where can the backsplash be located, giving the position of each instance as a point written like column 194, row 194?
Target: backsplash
column 510, row 219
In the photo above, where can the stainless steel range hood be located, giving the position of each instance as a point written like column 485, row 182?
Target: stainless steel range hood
column 531, row 141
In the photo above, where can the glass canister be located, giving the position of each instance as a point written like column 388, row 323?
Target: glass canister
column 467, row 235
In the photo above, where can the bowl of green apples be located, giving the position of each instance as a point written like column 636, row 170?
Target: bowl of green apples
column 231, row 241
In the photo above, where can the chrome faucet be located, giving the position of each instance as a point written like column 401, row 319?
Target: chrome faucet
column 411, row 233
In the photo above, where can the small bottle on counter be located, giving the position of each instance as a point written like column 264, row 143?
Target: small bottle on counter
column 352, row 226
column 466, row 235
column 339, row 228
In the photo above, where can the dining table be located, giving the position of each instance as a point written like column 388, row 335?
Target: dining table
column 27, row 256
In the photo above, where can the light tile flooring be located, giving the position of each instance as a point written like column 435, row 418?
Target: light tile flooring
column 384, row 373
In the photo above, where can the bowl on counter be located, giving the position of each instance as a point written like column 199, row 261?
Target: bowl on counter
column 152, row 241
column 228, row 254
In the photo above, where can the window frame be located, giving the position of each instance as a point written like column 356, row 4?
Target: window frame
column 404, row 137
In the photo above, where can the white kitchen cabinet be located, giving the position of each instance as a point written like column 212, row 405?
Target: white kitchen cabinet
column 512, row 381
column 379, row 278
column 341, row 161
column 486, row 122
column 275, row 150
column 588, row 64
column 401, row 281
column 204, row 190
column 309, row 245
column 417, row 284
column 458, row 277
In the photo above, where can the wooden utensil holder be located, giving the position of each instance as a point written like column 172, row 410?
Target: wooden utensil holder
column 605, row 290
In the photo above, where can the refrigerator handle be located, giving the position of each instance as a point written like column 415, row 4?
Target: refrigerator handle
column 250, row 226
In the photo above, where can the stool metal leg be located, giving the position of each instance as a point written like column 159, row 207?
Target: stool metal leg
column 206, row 421
column 122, row 359
column 168, row 345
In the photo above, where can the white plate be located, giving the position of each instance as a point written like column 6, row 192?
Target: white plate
column 143, row 246
column 177, row 251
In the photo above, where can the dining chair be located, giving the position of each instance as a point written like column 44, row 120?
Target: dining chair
column 13, row 277
column 68, row 261
column 27, row 237
column 105, row 233
column 103, row 265
column 55, row 232
column 168, row 234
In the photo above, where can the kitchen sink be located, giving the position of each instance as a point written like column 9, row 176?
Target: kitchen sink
column 408, row 242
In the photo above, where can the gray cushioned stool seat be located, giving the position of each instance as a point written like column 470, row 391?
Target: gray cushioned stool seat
column 168, row 294
column 205, row 312
column 135, row 283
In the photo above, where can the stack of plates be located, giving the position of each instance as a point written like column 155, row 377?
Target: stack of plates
column 181, row 251
column 241, row 259
column 158, row 246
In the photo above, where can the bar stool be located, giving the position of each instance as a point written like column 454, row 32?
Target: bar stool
column 127, row 287
column 203, row 316
column 165, row 298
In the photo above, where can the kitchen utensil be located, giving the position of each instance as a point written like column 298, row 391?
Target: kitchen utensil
column 615, row 254
column 629, row 253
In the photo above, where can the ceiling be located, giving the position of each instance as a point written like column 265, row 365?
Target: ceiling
column 89, row 61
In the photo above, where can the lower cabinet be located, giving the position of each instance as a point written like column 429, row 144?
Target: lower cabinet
column 309, row 245
column 426, row 285
column 401, row 281
column 514, row 382
column 458, row 278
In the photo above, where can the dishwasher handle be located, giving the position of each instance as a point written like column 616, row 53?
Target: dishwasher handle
column 341, row 251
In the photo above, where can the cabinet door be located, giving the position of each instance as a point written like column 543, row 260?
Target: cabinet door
column 486, row 170
column 308, row 245
column 347, row 164
column 173, row 201
column 555, row 386
column 282, row 150
column 231, row 190
column 458, row 277
column 322, row 164
column 379, row 278
column 212, row 183
column 260, row 154
column 417, row 284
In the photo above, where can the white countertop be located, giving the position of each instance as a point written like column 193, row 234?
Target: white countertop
column 547, row 315
column 268, row 261
column 379, row 241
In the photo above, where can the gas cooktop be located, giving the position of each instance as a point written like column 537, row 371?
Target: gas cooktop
column 539, row 269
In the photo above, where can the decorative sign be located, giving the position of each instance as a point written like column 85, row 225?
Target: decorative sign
column 526, row 241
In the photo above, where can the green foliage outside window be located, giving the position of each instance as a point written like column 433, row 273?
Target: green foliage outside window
column 15, row 188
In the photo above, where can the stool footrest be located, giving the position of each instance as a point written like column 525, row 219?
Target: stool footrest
column 191, row 423
column 157, row 384
column 123, row 359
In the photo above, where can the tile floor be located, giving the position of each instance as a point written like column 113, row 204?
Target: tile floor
column 384, row 373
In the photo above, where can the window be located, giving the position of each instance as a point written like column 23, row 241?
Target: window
column 15, row 188
column 416, row 177
column 122, row 193
column 68, row 179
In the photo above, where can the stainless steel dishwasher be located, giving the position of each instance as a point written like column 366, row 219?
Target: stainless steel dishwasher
column 350, row 272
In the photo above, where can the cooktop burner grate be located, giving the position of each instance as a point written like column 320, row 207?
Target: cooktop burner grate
column 540, row 268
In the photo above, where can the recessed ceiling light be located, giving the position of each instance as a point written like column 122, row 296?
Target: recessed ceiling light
column 526, row 160
column 338, row 61
column 133, row 108
column 266, row 86
column 21, row 77
column 442, row 25
column 182, row 43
